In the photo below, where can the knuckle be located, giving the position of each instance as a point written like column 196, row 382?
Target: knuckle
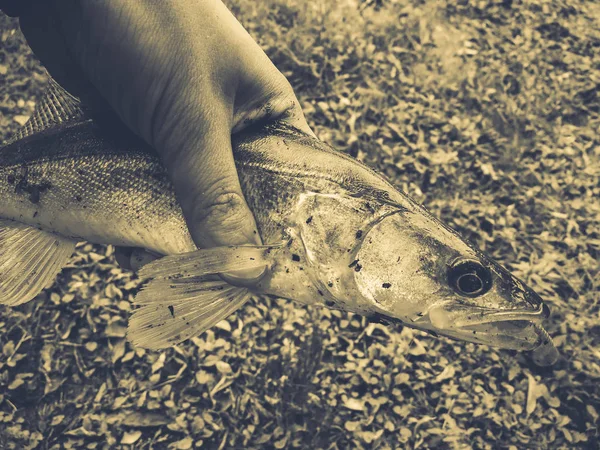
column 223, row 209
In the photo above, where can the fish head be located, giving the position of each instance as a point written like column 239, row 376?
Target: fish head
column 388, row 258
column 416, row 270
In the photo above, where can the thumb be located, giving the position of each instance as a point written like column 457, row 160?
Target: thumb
column 205, row 178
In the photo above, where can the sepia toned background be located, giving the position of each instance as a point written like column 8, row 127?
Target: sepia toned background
column 485, row 111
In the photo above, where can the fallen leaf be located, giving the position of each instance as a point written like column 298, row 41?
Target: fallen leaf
column 145, row 419
column 351, row 425
column 370, row 436
column 534, row 392
column 197, row 424
column 21, row 120
column 159, row 363
column 280, row 443
column 115, row 329
column 118, row 350
column 91, row 346
column 184, row 444
column 417, row 349
column 224, row 325
column 203, row 377
column 401, row 378
column 513, row 372
column 16, row 383
column 354, row 404
column 448, row 372
column 119, row 401
column 592, row 411
column 57, row 420
column 223, row 367
column 131, row 437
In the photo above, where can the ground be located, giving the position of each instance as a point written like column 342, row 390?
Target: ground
column 485, row 111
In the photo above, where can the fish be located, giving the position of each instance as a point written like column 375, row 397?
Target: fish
column 336, row 234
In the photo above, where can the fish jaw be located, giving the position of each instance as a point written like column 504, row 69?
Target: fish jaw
column 516, row 329
column 519, row 329
column 520, row 335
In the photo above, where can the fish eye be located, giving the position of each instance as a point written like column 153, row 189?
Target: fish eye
column 469, row 278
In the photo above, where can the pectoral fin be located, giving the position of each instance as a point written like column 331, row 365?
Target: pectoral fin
column 209, row 261
column 30, row 260
column 184, row 297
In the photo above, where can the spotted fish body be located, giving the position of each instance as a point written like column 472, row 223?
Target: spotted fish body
column 337, row 234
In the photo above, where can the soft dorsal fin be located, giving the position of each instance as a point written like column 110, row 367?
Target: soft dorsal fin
column 56, row 107
column 30, row 259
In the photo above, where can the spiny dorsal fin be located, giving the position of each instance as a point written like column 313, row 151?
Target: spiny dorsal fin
column 57, row 106
column 30, row 259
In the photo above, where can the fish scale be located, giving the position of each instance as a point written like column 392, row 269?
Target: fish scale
column 62, row 180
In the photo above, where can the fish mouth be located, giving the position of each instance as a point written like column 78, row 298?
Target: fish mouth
column 486, row 316
column 452, row 316
column 522, row 335
column 516, row 329
column 509, row 334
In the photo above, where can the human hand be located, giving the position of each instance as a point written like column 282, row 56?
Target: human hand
column 183, row 75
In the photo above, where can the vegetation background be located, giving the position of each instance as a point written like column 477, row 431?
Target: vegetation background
column 484, row 110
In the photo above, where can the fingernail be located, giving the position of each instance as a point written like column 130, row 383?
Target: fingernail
column 246, row 277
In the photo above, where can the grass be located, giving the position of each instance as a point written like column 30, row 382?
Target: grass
column 487, row 112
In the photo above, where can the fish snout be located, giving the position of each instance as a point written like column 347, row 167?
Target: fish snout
column 531, row 297
column 534, row 303
column 545, row 311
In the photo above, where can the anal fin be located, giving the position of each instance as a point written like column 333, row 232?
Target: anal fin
column 30, row 260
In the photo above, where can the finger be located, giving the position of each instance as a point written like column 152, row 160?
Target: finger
column 41, row 28
column 267, row 97
column 203, row 171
